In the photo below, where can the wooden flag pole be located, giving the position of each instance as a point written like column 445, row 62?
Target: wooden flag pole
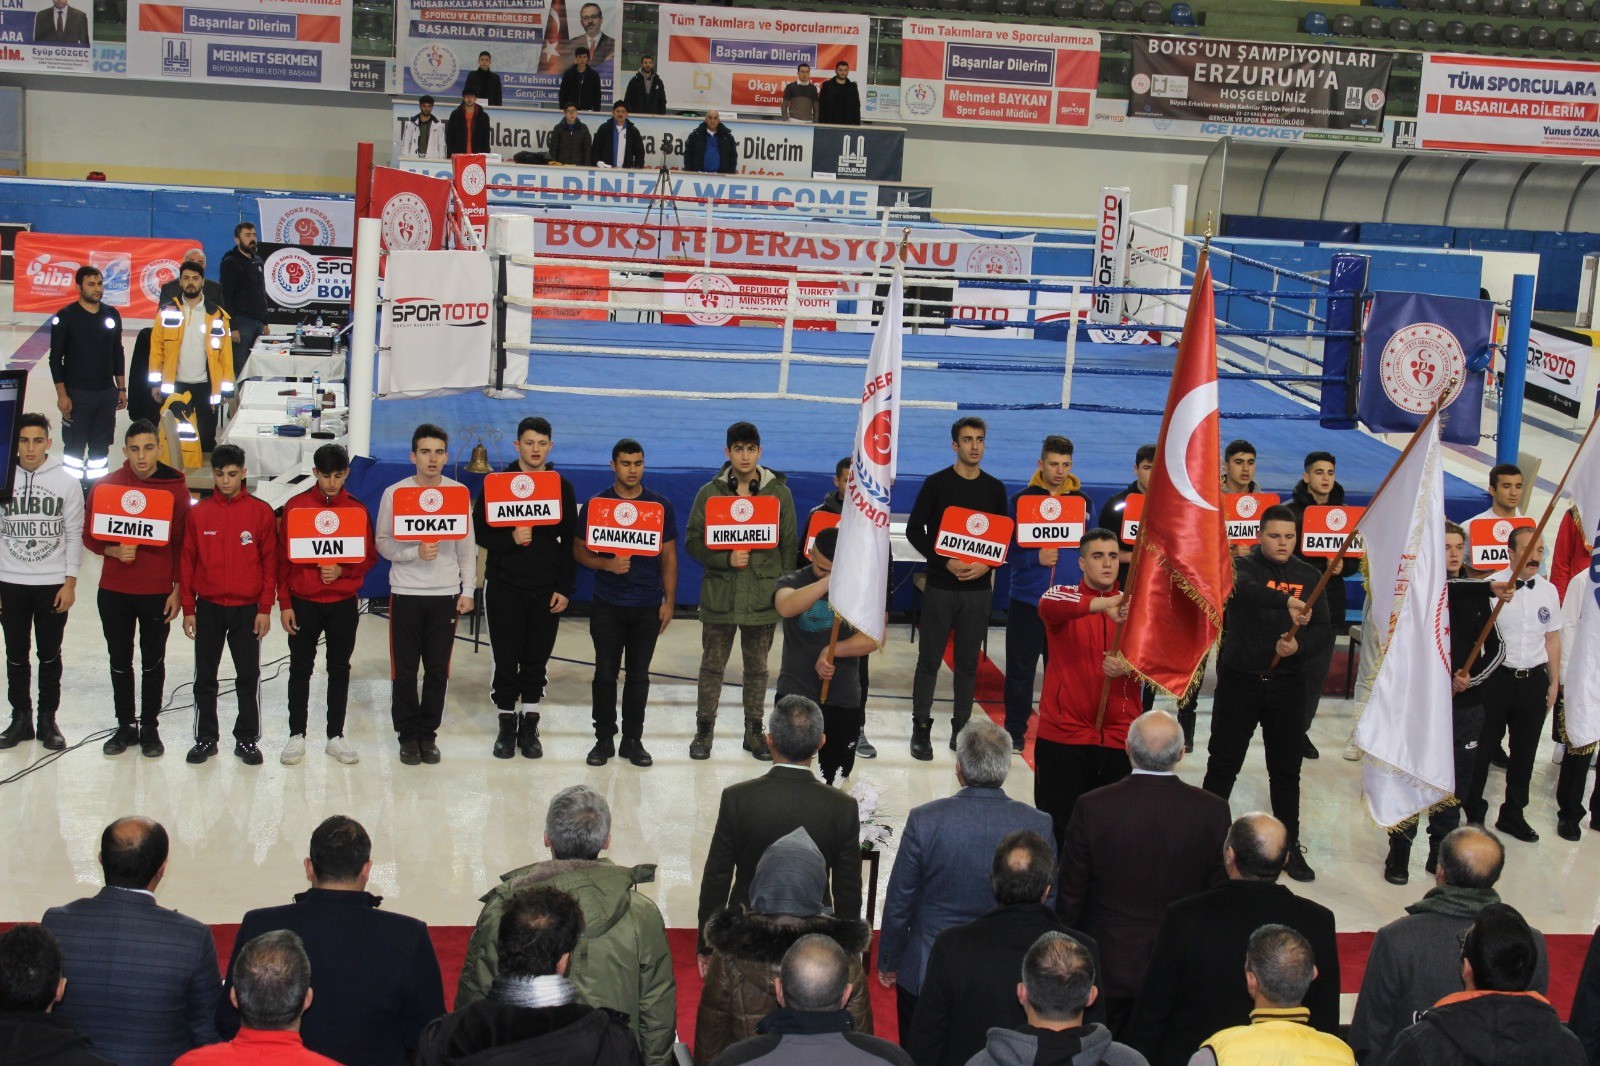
column 1527, row 550
column 833, row 644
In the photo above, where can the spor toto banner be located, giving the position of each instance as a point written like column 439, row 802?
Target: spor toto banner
column 299, row 43
column 436, row 323
column 741, row 58
column 297, row 220
column 1558, row 366
column 134, row 269
column 1497, row 104
column 41, row 36
column 995, row 74
column 1263, row 84
column 304, row 284
column 531, row 44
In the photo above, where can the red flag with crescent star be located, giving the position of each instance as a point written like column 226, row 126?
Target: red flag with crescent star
column 1182, row 575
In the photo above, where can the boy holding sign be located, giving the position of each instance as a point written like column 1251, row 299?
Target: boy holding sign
column 1319, row 488
column 139, row 581
column 326, row 549
column 633, row 551
column 430, row 583
column 525, row 519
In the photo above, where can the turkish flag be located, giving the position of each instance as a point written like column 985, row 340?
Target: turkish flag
column 1181, row 574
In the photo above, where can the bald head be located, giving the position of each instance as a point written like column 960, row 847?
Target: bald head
column 814, row 975
column 1155, row 742
column 133, row 852
column 1471, row 857
column 1256, row 848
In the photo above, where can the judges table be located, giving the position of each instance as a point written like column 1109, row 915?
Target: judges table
column 263, row 406
column 272, row 357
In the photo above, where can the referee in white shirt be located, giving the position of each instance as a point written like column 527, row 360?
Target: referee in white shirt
column 1523, row 690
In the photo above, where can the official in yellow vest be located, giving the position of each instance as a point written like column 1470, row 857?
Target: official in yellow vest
column 191, row 350
column 1278, row 969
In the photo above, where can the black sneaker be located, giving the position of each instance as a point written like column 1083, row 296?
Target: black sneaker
column 601, row 753
column 20, row 730
column 150, row 745
column 864, row 748
column 247, row 752
column 124, row 738
column 430, row 752
column 202, row 751
column 1568, row 829
column 528, row 737
column 1309, row 750
column 634, row 752
column 1517, row 827
column 505, row 742
column 1432, row 865
column 410, row 753
column 1018, row 744
column 1296, row 867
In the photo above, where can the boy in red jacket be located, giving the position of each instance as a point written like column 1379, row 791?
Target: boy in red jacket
column 139, row 592
column 227, row 582
column 314, row 601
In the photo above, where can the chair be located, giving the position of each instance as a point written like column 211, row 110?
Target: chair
column 1547, row 9
column 1152, row 13
column 1183, row 15
column 1316, row 24
column 1344, row 25
column 1372, row 26
column 1540, row 37
column 1428, row 30
column 1456, row 32
column 1401, row 29
column 952, row 6
column 1574, row 11
column 1483, row 33
column 1095, row 10
column 1567, row 39
column 1512, row 36
column 1037, row 9
column 1520, row 9
column 1068, row 9
column 1494, row 7
column 1008, row 7
column 1124, row 11
column 1591, row 40
column 1414, row 5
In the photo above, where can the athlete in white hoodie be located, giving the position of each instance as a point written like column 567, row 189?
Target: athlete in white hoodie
column 41, row 545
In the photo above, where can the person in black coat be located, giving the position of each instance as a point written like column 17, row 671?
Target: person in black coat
column 711, row 148
column 970, row 985
column 839, row 100
column 605, row 140
column 570, row 143
column 1194, row 985
column 1585, row 1023
column 30, row 959
column 1317, row 488
column 467, row 128
column 377, row 976
column 141, row 404
column 646, row 94
column 580, row 85
column 484, row 83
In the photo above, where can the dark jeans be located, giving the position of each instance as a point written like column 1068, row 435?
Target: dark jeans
column 1466, row 723
column 716, row 644
column 1275, row 702
column 1316, row 677
column 28, row 613
column 522, row 634
column 422, row 633
column 947, row 611
column 1516, row 705
column 1064, row 772
column 622, row 636
column 249, row 332
column 338, row 621
column 1190, row 700
column 121, row 614
column 841, row 729
column 86, row 438
column 214, row 626
column 1025, row 645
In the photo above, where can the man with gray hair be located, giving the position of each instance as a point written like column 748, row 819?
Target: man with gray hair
column 1133, row 848
column 753, row 814
column 1057, row 985
column 625, row 964
column 271, row 990
column 941, row 870
column 1279, row 967
column 811, row 1024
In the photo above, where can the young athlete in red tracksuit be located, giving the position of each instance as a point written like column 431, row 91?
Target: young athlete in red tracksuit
column 314, row 601
column 228, row 580
column 1072, row 755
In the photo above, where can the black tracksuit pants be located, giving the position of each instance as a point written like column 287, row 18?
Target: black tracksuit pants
column 522, row 634
column 338, row 621
column 623, row 637
column 122, row 614
column 422, row 634
column 216, row 626
column 1275, row 701
column 28, row 614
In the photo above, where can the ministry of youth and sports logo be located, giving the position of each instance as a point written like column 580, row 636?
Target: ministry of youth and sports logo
column 1418, row 363
column 407, row 223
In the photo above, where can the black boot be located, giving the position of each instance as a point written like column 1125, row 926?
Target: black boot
column 755, row 740
column 528, row 736
column 505, row 742
column 1396, row 868
column 704, row 730
column 49, row 735
column 1186, row 721
column 1432, row 865
column 956, row 726
column 922, row 739
column 21, row 729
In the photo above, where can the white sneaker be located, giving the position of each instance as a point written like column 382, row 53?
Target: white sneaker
column 340, row 749
column 293, row 751
column 1351, row 752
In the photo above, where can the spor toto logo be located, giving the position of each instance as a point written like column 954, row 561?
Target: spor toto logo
column 133, row 502
column 1050, row 509
column 742, row 510
column 625, row 514
column 1417, row 363
column 473, row 179
column 431, row 500
column 522, row 486
column 326, row 523
column 1337, row 519
column 407, row 223
column 1246, row 506
column 978, row 525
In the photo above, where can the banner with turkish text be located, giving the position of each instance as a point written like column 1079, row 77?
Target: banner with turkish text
column 41, row 37
column 1558, row 366
column 134, row 270
column 742, row 523
column 522, row 498
column 307, row 283
column 472, row 201
column 436, row 323
column 300, row 44
column 326, row 536
column 1050, row 521
column 589, row 284
column 998, row 74
column 432, row 513
column 301, row 220
column 734, row 300
column 1470, row 103
column 411, row 207
column 126, row 514
column 1413, row 348
column 624, row 527
column 820, row 520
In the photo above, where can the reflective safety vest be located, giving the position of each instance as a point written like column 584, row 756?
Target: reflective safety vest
column 166, row 342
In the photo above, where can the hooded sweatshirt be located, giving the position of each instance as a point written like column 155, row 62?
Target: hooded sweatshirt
column 1491, row 1029
column 41, row 532
column 1029, row 578
column 33, row 1038
column 1030, row 1046
column 154, row 570
column 1335, row 592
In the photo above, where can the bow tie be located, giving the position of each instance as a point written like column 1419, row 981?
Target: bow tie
column 1528, row 584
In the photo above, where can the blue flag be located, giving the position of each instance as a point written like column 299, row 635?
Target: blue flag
column 1413, row 347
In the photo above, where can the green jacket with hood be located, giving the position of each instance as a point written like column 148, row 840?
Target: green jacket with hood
column 742, row 596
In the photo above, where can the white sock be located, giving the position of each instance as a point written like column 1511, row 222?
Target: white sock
column 530, row 708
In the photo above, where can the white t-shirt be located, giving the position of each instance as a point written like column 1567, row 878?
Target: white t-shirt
column 1523, row 623
column 192, row 352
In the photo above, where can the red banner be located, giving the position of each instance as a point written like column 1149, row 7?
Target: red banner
column 411, row 207
column 519, row 498
column 571, row 283
column 124, row 514
column 973, row 536
column 471, row 181
column 625, row 527
column 326, row 536
column 733, row 300
column 1050, row 521
column 1323, row 530
column 739, row 523
column 134, row 269
column 1242, row 510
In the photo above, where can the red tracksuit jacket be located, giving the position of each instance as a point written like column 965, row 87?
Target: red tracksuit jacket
column 230, row 553
column 1073, row 676
column 154, row 570
column 304, row 580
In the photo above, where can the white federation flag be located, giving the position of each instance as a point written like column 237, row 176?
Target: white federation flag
column 1405, row 729
column 1580, row 663
column 859, row 589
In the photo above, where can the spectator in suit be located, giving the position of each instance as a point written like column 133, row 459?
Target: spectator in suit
column 619, row 143
column 533, row 1013
column 1057, row 985
column 1194, row 984
column 1133, row 848
column 626, row 964
column 1498, row 1018
column 61, row 24
column 271, row 991
column 789, row 796
column 970, row 983
column 30, row 986
column 811, row 990
column 466, row 131
column 942, row 872
column 1278, row 969
column 1415, row 960
column 378, row 980
column 142, row 981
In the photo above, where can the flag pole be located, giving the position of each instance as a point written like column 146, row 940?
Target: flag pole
column 1350, row 538
column 1527, row 549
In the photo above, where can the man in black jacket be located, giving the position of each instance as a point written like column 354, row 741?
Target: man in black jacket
column 528, row 581
column 244, row 294
column 618, row 143
column 484, row 83
column 30, row 986
column 833, row 503
column 1144, row 461
column 1194, row 985
column 711, row 148
column 646, row 94
column 839, row 101
column 1269, row 590
column 580, row 85
column 377, row 977
column 86, row 366
column 467, row 128
column 1318, row 488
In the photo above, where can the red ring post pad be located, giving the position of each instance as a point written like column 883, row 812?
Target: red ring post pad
column 624, row 527
column 1050, row 521
column 742, row 523
column 973, row 536
column 432, row 514
column 127, row 514
column 522, row 498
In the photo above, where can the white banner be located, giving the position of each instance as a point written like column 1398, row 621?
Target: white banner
column 303, row 44
column 1558, row 365
column 1518, row 106
column 859, row 587
column 294, row 220
column 437, row 325
column 1581, row 662
column 39, row 36
column 1405, row 728
column 1110, row 265
column 741, row 58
